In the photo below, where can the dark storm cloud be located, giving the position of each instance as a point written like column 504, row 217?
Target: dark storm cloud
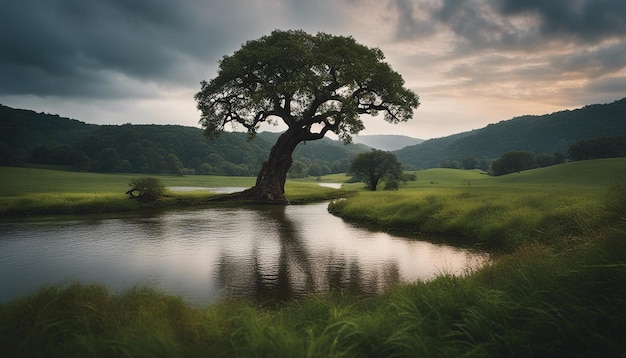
column 587, row 20
column 573, row 47
column 608, row 85
column 473, row 21
column 408, row 25
column 85, row 47
column 595, row 61
column 110, row 48
column 113, row 61
column 505, row 24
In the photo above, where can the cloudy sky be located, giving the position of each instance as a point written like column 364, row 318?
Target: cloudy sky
column 472, row 62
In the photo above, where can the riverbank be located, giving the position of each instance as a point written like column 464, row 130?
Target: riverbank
column 40, row 192
column 556, row 290
column 546, row 206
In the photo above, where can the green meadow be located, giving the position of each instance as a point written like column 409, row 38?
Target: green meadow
column 502, row 212
column 34, row 191
column 555, row 286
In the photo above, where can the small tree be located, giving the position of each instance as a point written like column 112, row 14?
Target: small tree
column 391, row 184
column 147, row 189
column 372, row 167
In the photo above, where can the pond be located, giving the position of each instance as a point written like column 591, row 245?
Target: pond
column 204, row 255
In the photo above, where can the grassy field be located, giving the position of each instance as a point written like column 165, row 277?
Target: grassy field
column 30, row 191
column 504, row 212
column 20, row 181
column 556, row 289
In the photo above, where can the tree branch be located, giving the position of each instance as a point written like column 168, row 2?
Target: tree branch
column 311, row 118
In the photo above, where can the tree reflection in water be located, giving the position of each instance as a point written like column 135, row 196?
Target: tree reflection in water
column 291, row 271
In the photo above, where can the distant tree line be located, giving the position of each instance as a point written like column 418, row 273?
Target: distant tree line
column 516, row 161
column 550, row 133
column 467, row 163
column 595, row 148
column 39, row 138
column 598, row 148
column 121, row 152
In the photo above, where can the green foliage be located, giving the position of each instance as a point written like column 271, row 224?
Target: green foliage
column 550, row 133
column 303, row 79
column 51, row 140
column 597, row 148
column 313, row 84
column 372, row 167
column 21, row 131
column 391, row 184
column 299, row 169
column 173, row 165
column 514, row 161
column 146, row 189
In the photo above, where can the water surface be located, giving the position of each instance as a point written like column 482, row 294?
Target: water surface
column 269, row 252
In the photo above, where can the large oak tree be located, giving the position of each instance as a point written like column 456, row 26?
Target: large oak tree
column 312, row 83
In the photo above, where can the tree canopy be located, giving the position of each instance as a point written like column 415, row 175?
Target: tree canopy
column 372, row 167
column 304, row 80
column 314, row 84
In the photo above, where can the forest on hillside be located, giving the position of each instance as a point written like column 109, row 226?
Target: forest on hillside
column 39, row 138
column 27, row 137
column 549, row 134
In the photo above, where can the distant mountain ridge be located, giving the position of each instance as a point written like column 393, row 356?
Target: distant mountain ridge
column 386, row 142
column 548, row 133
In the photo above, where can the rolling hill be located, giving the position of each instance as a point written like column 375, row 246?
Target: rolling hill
column 386, row 142
column 548, row 133
column 27, row 136
column 40, row 138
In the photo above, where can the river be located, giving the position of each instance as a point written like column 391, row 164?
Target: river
column 204, row 255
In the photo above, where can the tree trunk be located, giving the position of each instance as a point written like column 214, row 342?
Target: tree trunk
column 374, row 179
column 270, row 183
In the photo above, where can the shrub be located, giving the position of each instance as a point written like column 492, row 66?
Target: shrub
column 409, row 177
column 391, row 184
column 147, row 189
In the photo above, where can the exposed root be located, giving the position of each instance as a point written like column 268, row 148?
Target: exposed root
column 252, row 195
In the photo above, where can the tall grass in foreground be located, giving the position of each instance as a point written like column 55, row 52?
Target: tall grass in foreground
column 531, row 303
